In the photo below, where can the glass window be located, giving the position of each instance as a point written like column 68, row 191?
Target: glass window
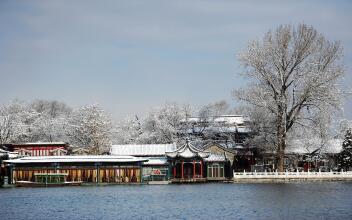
column 221, row 171
column 210, row 171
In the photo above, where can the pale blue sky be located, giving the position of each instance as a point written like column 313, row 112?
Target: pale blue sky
column 131, row 55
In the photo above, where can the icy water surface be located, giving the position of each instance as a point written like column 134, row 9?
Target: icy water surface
column 324, row 200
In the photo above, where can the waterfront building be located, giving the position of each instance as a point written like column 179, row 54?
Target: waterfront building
column 191, row 164
column 86, row 169
column 5, row 155
column 185, row 163
column 39, row 148
column 229, row 154
column 156, row 168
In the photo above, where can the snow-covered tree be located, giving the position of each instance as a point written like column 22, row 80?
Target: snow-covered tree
column 52, row 117
column 161, row 125
column 345, row 157
column 294, row 73
column 262, row 127
column 90, row 127
column 128, row 131
column 10, row 122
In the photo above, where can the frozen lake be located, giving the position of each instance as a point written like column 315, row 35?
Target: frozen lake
column 323, row 200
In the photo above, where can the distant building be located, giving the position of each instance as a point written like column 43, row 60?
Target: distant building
column 228, row 130
column 39, row 148
column 304, row 155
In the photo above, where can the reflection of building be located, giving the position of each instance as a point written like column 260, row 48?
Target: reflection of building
column 88, row 169
column 39, row 149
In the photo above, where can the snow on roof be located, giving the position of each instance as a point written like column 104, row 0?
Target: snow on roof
column 40, row 143
column 8, row 153
column 216, row 158
column 187, row 151
column 332, row 146
column 76, row 159
column 142, row 149
column 156, row 161
column 230, row 150
column 228, row 119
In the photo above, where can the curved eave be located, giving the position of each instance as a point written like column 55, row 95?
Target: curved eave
column 180, row 155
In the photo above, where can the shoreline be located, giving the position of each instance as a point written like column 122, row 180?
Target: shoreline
column 290, row 180
column 233, row 181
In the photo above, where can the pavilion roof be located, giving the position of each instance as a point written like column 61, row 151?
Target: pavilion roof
column 188, row 151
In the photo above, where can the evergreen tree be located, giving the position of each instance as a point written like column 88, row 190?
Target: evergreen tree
column 345, row 157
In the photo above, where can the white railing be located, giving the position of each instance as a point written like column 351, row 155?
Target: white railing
column 309, row 174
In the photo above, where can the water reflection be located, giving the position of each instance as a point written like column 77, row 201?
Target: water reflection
column 324, row 200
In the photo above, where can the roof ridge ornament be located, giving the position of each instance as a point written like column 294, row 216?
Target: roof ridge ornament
column 187, row 141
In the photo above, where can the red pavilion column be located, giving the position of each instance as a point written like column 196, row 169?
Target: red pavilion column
column 201, row 169
column 175, row 171
column 182, row 170
column 194, row 169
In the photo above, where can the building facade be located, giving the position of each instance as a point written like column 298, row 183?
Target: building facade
column 39, row 149
column 156, row 168
column 229, row 131
column 184, row 163
column 85, row 169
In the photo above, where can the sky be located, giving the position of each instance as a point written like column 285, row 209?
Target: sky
column 129, row 56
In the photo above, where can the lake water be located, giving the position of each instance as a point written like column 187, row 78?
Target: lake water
column 322, row 200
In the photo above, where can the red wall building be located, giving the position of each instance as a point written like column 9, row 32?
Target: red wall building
column 40, row 149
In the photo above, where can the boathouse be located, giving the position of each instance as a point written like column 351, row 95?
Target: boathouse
column 86, row 169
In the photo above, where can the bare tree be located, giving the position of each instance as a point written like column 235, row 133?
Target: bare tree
column 294, row 73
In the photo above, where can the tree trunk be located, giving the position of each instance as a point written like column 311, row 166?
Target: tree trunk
column 281, row 138
column 280, row 154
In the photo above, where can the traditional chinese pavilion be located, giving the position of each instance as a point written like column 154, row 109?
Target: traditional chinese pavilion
column 187, row 163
